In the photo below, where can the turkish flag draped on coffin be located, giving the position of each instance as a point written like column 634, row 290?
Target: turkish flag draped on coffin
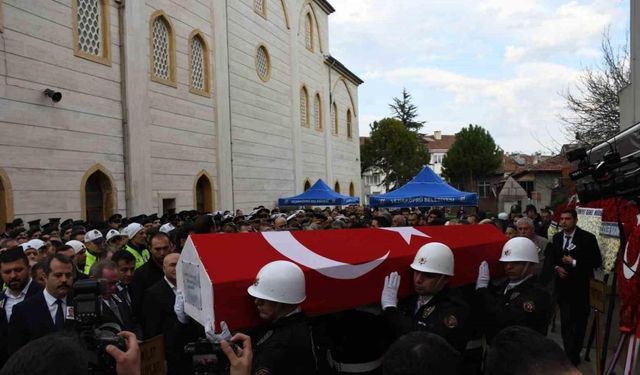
column 344, row 269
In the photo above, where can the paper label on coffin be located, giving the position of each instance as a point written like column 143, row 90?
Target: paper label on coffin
column 344, row 269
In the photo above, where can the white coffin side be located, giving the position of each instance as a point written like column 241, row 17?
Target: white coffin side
column 198, row 290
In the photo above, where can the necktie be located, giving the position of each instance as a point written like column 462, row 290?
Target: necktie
column 567, row 241
column 59, row 321
column 114, row 307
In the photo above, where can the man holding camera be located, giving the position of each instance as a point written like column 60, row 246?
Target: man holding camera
column 576, row 255
column 44, row 312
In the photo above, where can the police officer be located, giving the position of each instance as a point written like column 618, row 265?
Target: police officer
column 94, row 241
column 284, row 346
column 520, row 300
column 435, row 307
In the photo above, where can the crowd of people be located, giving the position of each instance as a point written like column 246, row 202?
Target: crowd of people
column 473, row 329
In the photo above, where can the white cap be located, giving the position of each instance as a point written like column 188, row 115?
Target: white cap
column 132, row 229
column 519, row 249
column 503, row 216
column 434, row 257
column 166, row 228
column 279, row 281
column 93, row 235
column 77, row 246
column 34, row 244
column 112, row 233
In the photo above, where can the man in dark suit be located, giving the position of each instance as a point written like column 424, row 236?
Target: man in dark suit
column 114, row 309
column 151, row 272
column 159, row 316
column 14, row 269
column 576, row 255
column 44, row 312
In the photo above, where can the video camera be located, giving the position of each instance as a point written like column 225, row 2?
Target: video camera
column 612, row 176
column 87, row 304
column 208, row 358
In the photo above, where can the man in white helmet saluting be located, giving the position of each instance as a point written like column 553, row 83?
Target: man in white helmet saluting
column 520, row 300
column 435, row 307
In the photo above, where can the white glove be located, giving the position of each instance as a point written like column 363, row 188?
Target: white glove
column 214, row 337
column 178, row 308
column 389, row 296
column 483, row 275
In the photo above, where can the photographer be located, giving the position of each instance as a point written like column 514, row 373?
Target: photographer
column 43, row 357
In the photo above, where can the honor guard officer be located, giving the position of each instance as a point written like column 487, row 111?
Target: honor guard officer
column 520, row 300
column 435, row 307
column 284, row 346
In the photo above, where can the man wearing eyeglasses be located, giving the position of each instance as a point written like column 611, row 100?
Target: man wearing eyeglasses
column 114, row 309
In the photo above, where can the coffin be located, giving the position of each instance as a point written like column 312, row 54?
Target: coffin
column 344, row 269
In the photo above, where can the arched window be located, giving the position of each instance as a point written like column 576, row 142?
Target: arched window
column 336, row 187
column 199, row 65
column 304, row 107
column 91, row 30
column 352, row 190
column 308, row 32
column 334, row 119
column 317, row 112
column 260, row 7
column 203, row 193
column 307, row 185
column 6, row 200
column 349, row 130
column 99, row 196
column 163, row 50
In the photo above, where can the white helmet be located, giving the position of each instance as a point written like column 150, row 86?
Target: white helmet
column 279, row 281
column 434, row 257
column 519, row 249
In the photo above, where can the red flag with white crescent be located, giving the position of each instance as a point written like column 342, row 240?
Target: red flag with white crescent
column 343, row 269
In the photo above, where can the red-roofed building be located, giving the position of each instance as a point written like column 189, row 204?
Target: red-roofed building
column 438, row 145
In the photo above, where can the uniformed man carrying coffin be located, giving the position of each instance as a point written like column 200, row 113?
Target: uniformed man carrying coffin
column 435, row 307
column 520, row 300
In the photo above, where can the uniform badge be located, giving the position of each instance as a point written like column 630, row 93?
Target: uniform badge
column 255, row 283
column 507, row 252
column 422, row 260
column 450, row 321
column 528, row 306
column 426, row 312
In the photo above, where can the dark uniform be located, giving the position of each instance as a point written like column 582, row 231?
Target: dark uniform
column 446, row 315
column 527, row 304
column 284, row 347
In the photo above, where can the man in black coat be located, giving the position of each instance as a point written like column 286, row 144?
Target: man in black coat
column 14, row 269
column 45, row 312
column 576, row 255
column 435, row 307
column 518, row 301
column 151, row 272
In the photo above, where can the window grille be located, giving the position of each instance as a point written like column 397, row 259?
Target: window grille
column 308, row 32
column 260, row 7
column 198, row 76
column 304, row 104
column 90, row 27
column 334, row 118
column 263, row 63
column 161, row 60
column 317, row 112
column 349, row 123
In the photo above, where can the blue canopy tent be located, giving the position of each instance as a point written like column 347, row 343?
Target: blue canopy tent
column 319, row 195
column 425, row 189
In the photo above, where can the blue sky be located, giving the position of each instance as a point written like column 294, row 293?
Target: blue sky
column 498, row 63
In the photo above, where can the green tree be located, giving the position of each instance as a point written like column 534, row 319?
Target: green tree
column 405, row 111
column 397, row 151
column 473, row 155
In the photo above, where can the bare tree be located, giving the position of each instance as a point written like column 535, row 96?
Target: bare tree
column 594, row 105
